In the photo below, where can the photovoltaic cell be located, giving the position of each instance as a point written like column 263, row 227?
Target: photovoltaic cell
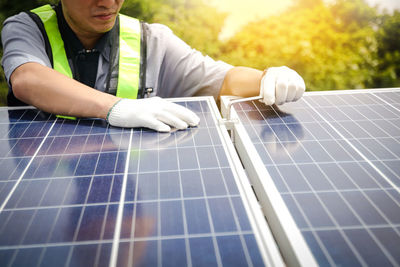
column 334, row 158
column 61, row 184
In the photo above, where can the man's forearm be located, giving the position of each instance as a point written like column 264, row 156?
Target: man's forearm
column 276, row 85
column 242, row 81
column 53, row 92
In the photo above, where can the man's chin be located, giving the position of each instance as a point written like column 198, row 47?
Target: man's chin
column 102, row 26
column 103, row 29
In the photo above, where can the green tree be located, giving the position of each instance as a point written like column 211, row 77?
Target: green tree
column 388, row 52
column 9, row 8
column 330, row 45
column 195, row 22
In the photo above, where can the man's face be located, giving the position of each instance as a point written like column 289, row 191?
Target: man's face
column 91, row 17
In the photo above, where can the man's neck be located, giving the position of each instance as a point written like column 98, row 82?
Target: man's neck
column 88, row 41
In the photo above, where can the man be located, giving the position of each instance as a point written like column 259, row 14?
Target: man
column 83, row 84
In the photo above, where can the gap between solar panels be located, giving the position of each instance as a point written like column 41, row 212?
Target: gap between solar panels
column 290, row 242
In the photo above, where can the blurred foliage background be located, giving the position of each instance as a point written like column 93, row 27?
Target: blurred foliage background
column 335, row 44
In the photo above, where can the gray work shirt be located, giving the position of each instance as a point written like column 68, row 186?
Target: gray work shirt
column 173, row 69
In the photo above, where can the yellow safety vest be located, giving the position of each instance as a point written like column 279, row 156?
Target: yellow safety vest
column 129, row 50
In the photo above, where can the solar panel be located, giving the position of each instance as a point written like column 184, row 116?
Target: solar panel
column 81, row 193
column 327, row 171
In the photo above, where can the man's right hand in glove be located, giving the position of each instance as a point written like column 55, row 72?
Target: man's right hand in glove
column 154, row 113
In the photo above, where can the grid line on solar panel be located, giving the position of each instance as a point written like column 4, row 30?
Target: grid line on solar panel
column 388, row 117
column 100, row 203
column 231, row 207
column 104, row 152
column 299, row 171
column 8, row 145
column 117, row 172
column 139, row 239
column 359, row 152
column 399, row 131
column 185, row 223
column 117, row 232
column 391, row 99
column 52, row 235
column 4, row 203
column 60, row 199
column 350, row 227
column 123, row 204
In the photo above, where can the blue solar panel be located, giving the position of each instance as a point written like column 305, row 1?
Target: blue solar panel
column 79, row 193
column 334, row 158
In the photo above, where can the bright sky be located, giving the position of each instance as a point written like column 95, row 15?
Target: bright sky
column 240, row 12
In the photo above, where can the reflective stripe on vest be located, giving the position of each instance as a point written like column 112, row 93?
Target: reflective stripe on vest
column 49, row 19
column 129, row 50
column 129, row 57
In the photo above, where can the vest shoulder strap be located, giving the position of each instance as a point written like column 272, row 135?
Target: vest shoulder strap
column 112, row 79
column 49, row 19
column 129, row 57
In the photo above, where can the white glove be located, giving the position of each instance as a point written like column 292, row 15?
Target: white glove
column 280, row 85
column 154, row 113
